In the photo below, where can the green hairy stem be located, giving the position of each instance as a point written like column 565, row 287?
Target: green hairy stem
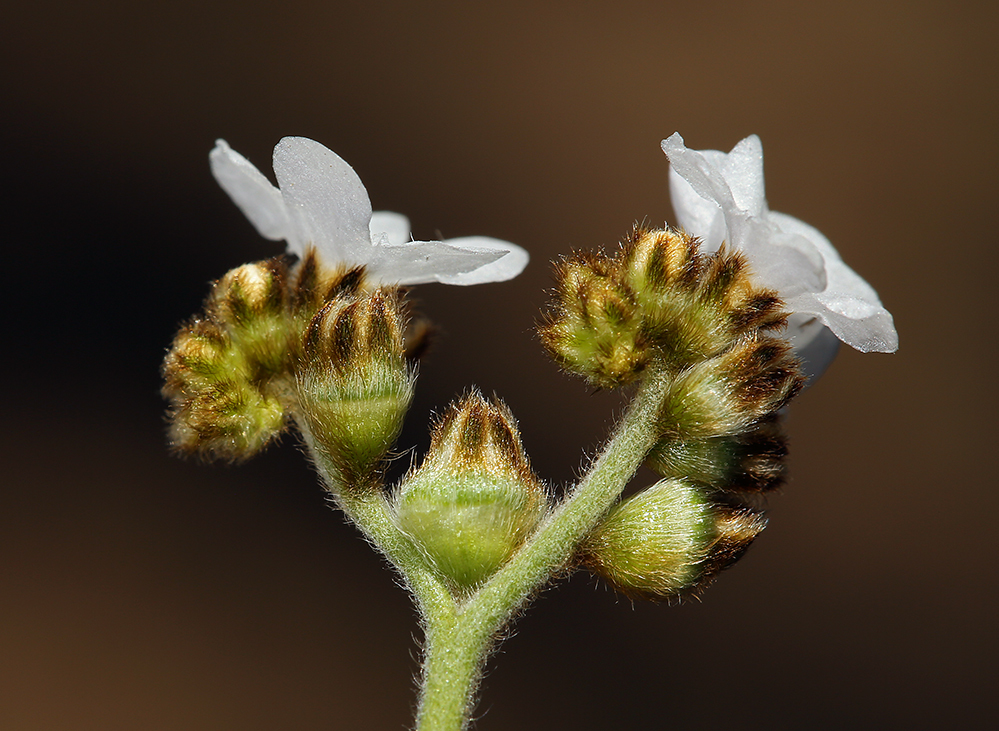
column 461, row 632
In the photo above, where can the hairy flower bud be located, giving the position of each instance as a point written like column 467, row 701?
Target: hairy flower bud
column 750, row 461
column 594, row 329
column 731, row 393
column 249, row 302
column 353, row 383
column 668, row 540
column 695, row 306
column 475, row 499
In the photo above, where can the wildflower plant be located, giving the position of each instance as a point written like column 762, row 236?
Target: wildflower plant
column 711, row 329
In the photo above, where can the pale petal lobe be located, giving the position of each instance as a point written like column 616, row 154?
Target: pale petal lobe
column 259, row 201
column 322, row 204
column 327, row 201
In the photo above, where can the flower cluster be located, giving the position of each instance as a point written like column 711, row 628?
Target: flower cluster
column 710, row 322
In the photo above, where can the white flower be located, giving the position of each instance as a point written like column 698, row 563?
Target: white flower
column 720, row 197
column 322, row 203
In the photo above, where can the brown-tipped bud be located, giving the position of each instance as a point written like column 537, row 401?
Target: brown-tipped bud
column 731, row 393
column 314, row 284
column 354, row 385
column 594, row 328
column 654, row 260
column 475, row 499
column 695, row 305
column 764, row 372
column 250, row 304
column 667, row 540
column 247, row 292
column 751, row 462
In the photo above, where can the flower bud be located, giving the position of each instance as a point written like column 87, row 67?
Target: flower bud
column 474, row 500
column 594, row 328
column 249, row 302
column 731, row 393
column 751, row 461
column 695, row 306
column 353, row 383
column 658, row 299
column 667, row 540
column 229, row 420
column 223, row 404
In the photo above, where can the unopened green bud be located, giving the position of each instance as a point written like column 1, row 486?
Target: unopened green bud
column 594, row 328
column 229, row 420
column 353, row 383
column 667, row 540
column 659, row 298
column 249, row 302
column 752, row 461
column 475, row 499
column 731, row 393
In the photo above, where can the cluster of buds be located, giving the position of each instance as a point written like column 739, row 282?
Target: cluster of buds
column 226, row 370
column 279, row 342
column 474, row 500
column 658, row 299
column 701, row 323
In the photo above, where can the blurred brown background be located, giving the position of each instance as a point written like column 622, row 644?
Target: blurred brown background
column 138, row 591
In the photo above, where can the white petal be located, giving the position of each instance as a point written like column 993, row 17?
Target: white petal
column 787, row 262
column 706, row 181
column 848, row 305
column 840, row 278
column 742, row 170
column 502, row 269
column 814, row 344
column 420, row 262
column 866, row 327
column 259, row 201
column 327, row 203
column 390, row 228
column 697, row 216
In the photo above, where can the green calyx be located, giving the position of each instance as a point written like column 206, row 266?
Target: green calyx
column 750, row 461
column 667, row 540
column 227, row 371
column 474, row 500
column 353, row 383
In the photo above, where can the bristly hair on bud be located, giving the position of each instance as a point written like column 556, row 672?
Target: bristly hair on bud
column 353, row 382
column 668, row 541
column 731, row 393
column 593, row 327
column 475, row 499
column 659, row 299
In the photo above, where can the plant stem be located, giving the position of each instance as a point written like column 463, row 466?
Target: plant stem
column 367, row 508
column 458, row 643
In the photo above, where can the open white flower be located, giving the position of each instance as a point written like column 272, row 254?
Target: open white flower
column 322, row 203
column 719, row 197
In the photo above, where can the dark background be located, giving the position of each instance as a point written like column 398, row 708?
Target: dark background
column 141, row 591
